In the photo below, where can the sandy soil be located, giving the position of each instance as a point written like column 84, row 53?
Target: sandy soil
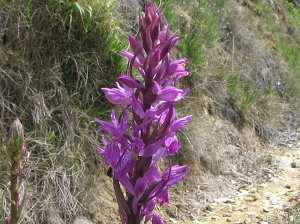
column 269, row 202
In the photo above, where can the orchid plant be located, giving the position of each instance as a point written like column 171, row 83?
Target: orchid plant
column 146, row 127
column 16, row 151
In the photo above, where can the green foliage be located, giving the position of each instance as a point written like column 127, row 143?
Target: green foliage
column 82, row 38
column 198, row 23
column 291, row 48
column 294, row 14
column 242, row 91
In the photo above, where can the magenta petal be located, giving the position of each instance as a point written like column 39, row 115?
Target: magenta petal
column 121, row 170
column 140, row 188
column 106, row 126
column 177, row 178
column 163, row 34
column 174, row 174
column 113, row 118
column 137, row 145
column 177, row 66
column 171, row 93
column 152, row 174
column 179, row 123
column 156, row 218
column 125, row 181
column 137, row 108
column 163, row 197
column 111, row 153
column 155, row 58
column 122, row 126
column 148, row 216
column 151, row 149
column 134, row 45
column 172, row 144
column 148, row 37
column 156, row 88
column 135, row 63
column 130, row 82
column 101, row 150
column 116, row 96
column 149, row 206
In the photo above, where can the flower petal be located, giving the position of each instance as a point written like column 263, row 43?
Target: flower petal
column 130, row 82
column 171, row 93
column 157, row 219
column 175, row 125
column 116, row 96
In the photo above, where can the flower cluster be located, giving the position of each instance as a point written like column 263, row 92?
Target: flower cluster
column 145, row 130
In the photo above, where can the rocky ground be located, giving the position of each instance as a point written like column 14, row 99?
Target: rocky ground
column 269, row 202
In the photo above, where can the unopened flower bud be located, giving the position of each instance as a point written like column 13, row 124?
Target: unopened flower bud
column 7, row 220
column 16, row 137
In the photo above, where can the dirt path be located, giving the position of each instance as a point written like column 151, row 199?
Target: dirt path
column 267, row 203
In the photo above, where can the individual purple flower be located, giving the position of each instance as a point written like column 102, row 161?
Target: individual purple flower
column 146, row 127
column 120, row 95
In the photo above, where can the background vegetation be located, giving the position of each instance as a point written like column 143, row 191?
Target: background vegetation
column 55, row 55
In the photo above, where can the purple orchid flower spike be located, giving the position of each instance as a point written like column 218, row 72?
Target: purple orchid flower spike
column 137, row 142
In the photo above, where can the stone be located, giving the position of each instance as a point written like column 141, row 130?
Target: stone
column 294, row 165
column 266, row 210
column 173, row 220
column 82, row 220
column 209, row 208
column 250, row 199
column 223, row 201
column 287, row 186
column 248, row 221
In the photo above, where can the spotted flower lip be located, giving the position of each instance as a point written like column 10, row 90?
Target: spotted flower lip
column 145, row 128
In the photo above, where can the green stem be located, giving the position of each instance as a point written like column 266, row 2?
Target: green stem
column 14, row 190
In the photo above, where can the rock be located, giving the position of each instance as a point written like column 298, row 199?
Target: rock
column 223, row 201
column 226, row 215
column 287, row 186
column 293, row 165
column 282, row 193
column 228, row 220
column 82, row 220
column 248, row 221
column 250, row 199
column 239, row 209
column 173, row 220
column 268, row 194
column 266, row 210
column 209, row 208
